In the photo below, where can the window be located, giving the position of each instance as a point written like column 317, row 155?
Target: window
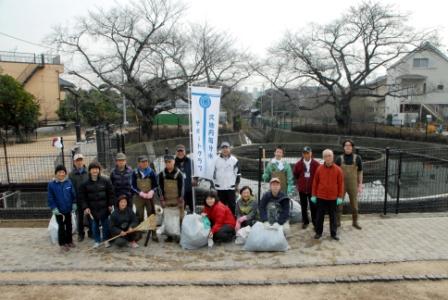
column 421, row 62
column 440, row 87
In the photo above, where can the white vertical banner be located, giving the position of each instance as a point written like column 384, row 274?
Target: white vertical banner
column 205, row 104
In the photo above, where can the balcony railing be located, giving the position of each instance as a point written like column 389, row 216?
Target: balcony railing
column 30, row 58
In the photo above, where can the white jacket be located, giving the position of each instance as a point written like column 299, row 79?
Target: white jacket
column 227, row 173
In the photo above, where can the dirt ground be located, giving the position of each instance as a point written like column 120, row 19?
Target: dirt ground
column 377, row 290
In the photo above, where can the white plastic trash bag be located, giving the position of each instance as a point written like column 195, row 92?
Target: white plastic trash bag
column 53, row 228
column 295, row 212
column 241, row 235
column 195, row 231
column 266, row 238
column 171, row 223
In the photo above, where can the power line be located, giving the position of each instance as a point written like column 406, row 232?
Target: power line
column 32, row 43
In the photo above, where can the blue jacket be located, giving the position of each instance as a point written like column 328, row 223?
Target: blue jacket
column 148, row 172
column 61, row 195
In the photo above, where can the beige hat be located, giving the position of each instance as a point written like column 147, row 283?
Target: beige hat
column 274, row 179
column 78, row 156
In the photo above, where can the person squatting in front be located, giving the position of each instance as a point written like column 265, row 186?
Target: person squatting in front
column 143, row 185
column 275, row 206
column 246, row 208
column 62, row 202
column 171, row 187
column 327, row 193
column 123, row 221
column 221, row 218
column 97, row 195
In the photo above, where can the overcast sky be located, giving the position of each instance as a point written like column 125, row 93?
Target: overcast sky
column 256, row 24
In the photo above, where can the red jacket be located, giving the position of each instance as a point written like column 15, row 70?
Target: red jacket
column 219, row 214
column 304, row 184
column 328, row 183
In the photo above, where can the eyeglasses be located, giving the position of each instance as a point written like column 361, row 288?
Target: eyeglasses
column 180, row 150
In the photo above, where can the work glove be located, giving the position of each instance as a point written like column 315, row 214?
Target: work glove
column 56, row 212
column 242, row 219
column 339, row 201
column 74, row 208
column 314, row 199
column 237, row 226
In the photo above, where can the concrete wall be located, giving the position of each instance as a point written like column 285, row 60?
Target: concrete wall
column 278, row 136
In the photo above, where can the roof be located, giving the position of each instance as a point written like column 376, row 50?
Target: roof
column 426, row 46
column 66, row 83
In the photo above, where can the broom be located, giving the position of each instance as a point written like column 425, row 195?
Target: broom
column 149, row 224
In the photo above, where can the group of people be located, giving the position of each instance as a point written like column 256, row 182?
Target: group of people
column 107, row 202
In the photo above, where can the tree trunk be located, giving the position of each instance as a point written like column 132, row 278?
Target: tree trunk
column 343, row 113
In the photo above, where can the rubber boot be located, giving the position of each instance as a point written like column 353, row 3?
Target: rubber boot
column 355, row 221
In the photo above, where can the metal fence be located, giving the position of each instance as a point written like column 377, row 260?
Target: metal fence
column 394, row 180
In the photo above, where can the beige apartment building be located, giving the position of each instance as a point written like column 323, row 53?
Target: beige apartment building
column 39, row 74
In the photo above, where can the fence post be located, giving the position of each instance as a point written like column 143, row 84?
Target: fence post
column 386, row 181
column 6, row 161
column 62, row 151
column 398, row 182
column 117, row 138
column 401, row 127
column 122, row 144
column 260, row 170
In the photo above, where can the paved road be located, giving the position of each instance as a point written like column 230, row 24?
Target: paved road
column 408, row 237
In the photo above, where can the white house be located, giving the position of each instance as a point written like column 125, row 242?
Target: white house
column 419, row 86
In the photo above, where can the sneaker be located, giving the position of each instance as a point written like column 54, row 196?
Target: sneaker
column 304, row 226
column 64, row 248
column 96, row 245
column 71, row 245
column 133, row 244
column 335, row 237
column 317, row 236
column 106, row 244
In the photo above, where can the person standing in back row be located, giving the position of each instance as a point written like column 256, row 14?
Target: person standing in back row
column 351, row 165
column 278, row 167
column 304, row 171
column 226, row 176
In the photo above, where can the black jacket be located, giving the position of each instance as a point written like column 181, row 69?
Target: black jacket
column 98, row 196
column 122, row 221
column 121, row 180
column 184, row 165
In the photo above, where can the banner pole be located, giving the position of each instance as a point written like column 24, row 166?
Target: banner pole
column 190, row 137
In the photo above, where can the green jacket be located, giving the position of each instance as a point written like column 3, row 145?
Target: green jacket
column 273, row 167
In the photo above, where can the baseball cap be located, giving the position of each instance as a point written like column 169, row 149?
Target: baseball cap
column 78, row 156
column 120, row 156
column 274, row 179
column 142, row 158
column 306, row 149
column 180, row 147
column 225, row 144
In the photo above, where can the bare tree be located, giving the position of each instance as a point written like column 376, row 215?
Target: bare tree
column 144, row 51
column 343, row 55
